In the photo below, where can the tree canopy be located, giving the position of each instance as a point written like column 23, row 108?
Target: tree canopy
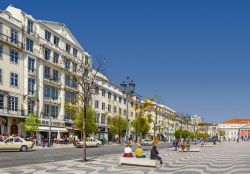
column 31, row 123
column 141, row 125
column 117, row 125
column 90, row 125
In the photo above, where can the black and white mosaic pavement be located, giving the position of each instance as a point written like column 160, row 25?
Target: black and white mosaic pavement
column 224, row 158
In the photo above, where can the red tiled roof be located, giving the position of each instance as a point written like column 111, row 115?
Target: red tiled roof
column 238, row 120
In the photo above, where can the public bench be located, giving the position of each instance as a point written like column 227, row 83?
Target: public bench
column 139, row 162
column 207, row 145
column 191, row 150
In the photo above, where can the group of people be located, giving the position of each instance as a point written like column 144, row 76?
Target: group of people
column 154, row 154
column 178, row 144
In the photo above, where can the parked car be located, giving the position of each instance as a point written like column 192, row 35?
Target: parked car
column 94, row 139
column 16, row 143
column 146, row 142
column 90, row 142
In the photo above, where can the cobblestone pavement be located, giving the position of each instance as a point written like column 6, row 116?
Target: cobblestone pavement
column 228, row 158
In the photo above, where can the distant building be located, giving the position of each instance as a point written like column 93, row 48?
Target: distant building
column 235, row 128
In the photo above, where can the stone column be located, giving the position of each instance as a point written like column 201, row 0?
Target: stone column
column 5, row 104
column 62, row 98
column 40, row 86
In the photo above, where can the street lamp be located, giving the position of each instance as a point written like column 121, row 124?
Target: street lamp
column 127, row 88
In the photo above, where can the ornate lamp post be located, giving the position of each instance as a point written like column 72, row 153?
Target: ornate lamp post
column 128, row 88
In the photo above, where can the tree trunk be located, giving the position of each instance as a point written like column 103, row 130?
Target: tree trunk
column 84, row 132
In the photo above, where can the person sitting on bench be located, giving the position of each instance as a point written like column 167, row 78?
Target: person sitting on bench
column 139, row 152
column 154, row 154
column 128, row 151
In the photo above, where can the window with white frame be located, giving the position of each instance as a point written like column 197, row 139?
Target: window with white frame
column 114, row 109
column 109, row 108
column 50, row 92
column 56, row 58
column 30, row 26
column 55, row 75
column 103, row 119
column 46, row 72
column 14, row 79
column 68, row 47
column 67, row 64
column 47, row 35
column 31, row 64
column 56, row 40
column 29, row 45
column 51, row 109
column 31, row 86
column 47, row 53
column 14, row 36
column 13, row 56
column 12, row 103
column 75, row 52
column 103, row 106
column 97, row 117
column 74, row 67
column 103, row 92
column 31, row 106
column 96, row 104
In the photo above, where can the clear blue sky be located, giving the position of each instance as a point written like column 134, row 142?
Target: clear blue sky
column 195, row 55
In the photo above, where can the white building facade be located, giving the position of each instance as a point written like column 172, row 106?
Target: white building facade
column 34, row 58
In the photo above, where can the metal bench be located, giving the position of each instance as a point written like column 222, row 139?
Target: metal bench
column 139, row 162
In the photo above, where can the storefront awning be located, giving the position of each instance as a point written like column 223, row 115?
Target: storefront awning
column 53, row 129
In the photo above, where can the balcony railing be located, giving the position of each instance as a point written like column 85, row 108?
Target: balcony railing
column 8, row 39
column 7, row 111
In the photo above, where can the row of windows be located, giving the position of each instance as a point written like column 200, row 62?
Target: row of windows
column 47, row 36
column 120, row 99
column 56, row 42
column 55, row 75
column 12, row 103
column 109, row 108
column 14, row 55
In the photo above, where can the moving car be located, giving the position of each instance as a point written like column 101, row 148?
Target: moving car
column 146, row 142
column 90, row 142
column 16, row 143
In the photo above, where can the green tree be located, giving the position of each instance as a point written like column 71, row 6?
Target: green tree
column 117, row 126
column 178, row 134
column 191, row 135
column 141, row 125
column 90, row 126
column 31, row 123
column 185, row 134
column 181, row 134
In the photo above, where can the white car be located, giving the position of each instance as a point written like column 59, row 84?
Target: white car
column 90, row 142
column 146, row 142
column 16, row 143
column 94, row 139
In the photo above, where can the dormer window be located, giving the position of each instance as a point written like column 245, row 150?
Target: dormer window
column 68, row 47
